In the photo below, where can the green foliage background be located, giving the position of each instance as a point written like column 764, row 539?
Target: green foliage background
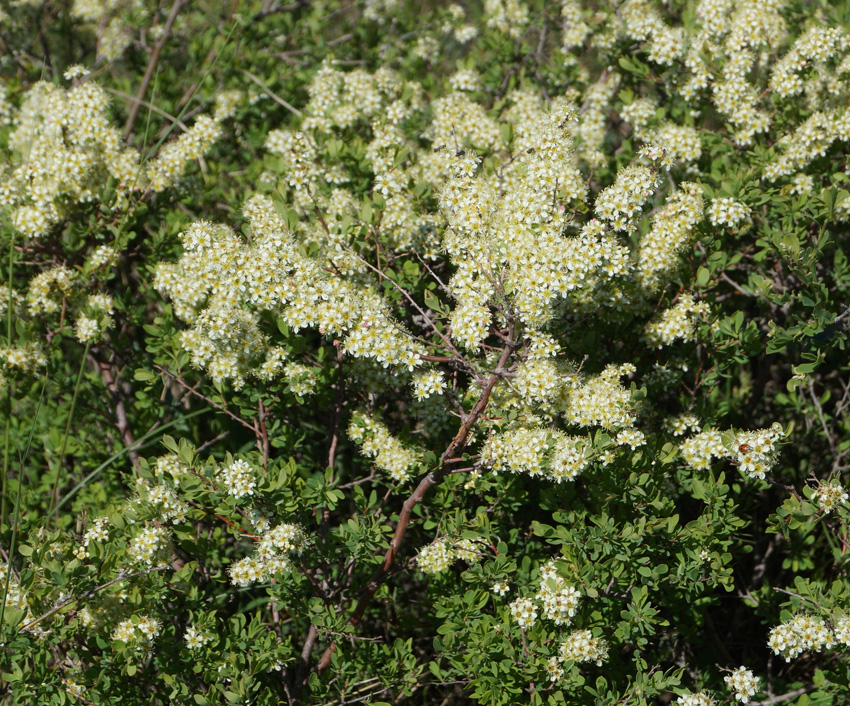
column 80, row 431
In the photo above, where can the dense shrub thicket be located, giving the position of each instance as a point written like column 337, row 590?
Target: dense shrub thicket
column 413, row 353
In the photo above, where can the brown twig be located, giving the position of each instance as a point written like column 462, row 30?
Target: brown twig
column 206, row 399
column 416, row 497
column 118, row 406
column 152, row 62
column 263, row 434
column 168, row 116
column 89, row 594
column 304, row 661
column 276, row 98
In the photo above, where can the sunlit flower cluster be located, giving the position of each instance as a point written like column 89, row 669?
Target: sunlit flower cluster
column 830, row 496
column 442, row 553
column 582, row 646
column 557, row 598
column 621, row 202
column 678, row 323
column 601, row 400
column 171, row 507
column 524, row 612
column 196, row 638
column 671, row 234
column 139, row 631
column 171, row 465
column 755, row 452
column 48, row 289
column 376, row 442
column 222, row 282
column 98, row 532
column 272, row 556
column 237, row 478
column 169, row 163
column 508, row 16
column 150, row 546
column 95, row 318
column 428, row 383
column 682, row 424
column 743, row 682
column 500, row 588
column 435, row 557
column 803, row 633
column 701, row 698
column 537, row 452
column 66, row 151
column 701, row 449
column 727, row 212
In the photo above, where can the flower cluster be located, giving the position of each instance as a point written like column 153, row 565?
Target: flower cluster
column 550, row 453
column 376, row 442
column 150, row 547
column 272, row 555
column 682, row 424
column 97, row 532
column 671, row 234
column 755, row 452
column 237, row 478
column 67, row 152
column 582, row 646
column 169, row 163
column 170, row 464
column 435, row 557
column 500, row 588
column 441, row 554
column 222, row 283
column 558, row 599
column 139, row 631
column 507, row 16
column 700, row 450
column 830, row 496
column 196, row 638
column 16, row 597
column 623, row 201
column 301, row 378
column 94, row 318
column 803, row 633
column 172, row 508
column 524, row 612
column 25, row 360
column 743, row 682
column 601, row 400
column 727, row 212
column 701, row 698
column 425, row 384
column 677, row 323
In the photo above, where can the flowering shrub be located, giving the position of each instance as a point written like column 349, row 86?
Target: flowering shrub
column 380, row 354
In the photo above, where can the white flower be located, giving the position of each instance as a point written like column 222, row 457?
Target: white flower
column 743, row 682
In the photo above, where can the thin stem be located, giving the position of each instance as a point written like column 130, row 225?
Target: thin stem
column 4, row 489
column 430, row 480
column 89, row 594
column 139, row 443
column 154, row 60
column 14, row 540
column 54, row 494
column 276, row 98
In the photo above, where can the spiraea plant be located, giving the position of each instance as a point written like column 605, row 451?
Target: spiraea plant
column 488, row 353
